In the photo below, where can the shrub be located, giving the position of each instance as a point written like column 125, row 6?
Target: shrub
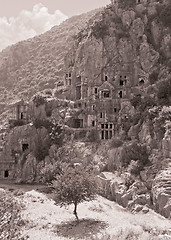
column 39, row 123
column 54, row 136
column 49, row 172
column 164, row 92
column 92, row 136
column 48, row 109
column 115, row 143
column 135, row 167
column 134, row 151
column 127, row 4
column 16, row 123
column 159, row 117
column 164, row 14
column 147, row 102
column 142, row 103
column 136, row 100
column 39, row 100
column 41, row 149
column 153, row 77
column 48, row 92
column 100, row 29
column 80, row 134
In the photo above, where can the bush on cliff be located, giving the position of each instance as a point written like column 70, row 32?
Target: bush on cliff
column 164, row 92
column 135, row 152
column 164, row 14
column 54, row 136
column 116, row 143
column 39, row 100
column 100, row 29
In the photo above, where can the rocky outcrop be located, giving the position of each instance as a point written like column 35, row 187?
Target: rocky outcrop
column 136, row 197
column 161, row 191
column 19, row 152
column 166, row 142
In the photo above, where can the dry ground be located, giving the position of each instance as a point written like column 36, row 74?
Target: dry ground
column 100, row 219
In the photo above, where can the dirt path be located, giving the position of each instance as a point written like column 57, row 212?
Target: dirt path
column 11, row 186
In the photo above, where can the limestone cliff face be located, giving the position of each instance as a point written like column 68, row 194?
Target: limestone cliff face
column 133, row 43
column 120, row 41
column 19, row 150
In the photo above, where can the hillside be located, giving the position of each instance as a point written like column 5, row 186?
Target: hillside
column 37, row 63
column 126, row 33
column 39, row 218
column 106, row 102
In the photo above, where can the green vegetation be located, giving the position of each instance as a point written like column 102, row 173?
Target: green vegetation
column 153, row 77
column 127, row 4
column 73, row 186
column 92, row 136
column 16, row 123
column 100, row 29
column 164, row 92
column 135, row 152
column 142, row 103
column 159, row 117
column 39, row 100
column 164, row 14
column 116, row 142
column 10, row 220
column 54, row 136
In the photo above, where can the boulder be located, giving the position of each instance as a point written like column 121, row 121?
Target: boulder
column 161, row 191
column 137, row 188
column 113, row 187
column 137, row 208
column 145, row 209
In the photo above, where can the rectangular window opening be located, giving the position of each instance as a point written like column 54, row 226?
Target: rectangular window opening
column 106, row 78
column 78, row 123
column 110, row 134
column 78, row 92
column 106, row 135
column 22, row 115
column 106, row 94
column 102, row 135
column 121, row 94
column 25, row 146
column 79, row 105
column 121, row 82
column 6, row 173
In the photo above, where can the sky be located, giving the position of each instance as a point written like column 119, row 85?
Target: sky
column 22, row 19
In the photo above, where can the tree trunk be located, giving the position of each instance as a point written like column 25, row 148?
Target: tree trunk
column 75, row 210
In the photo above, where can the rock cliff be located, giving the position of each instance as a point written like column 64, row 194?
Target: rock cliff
column 132, row 40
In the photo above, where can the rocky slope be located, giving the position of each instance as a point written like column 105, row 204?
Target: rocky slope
column 37, row 63
column 134, row 39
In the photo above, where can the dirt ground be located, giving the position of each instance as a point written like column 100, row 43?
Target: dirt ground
column 100, row 219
